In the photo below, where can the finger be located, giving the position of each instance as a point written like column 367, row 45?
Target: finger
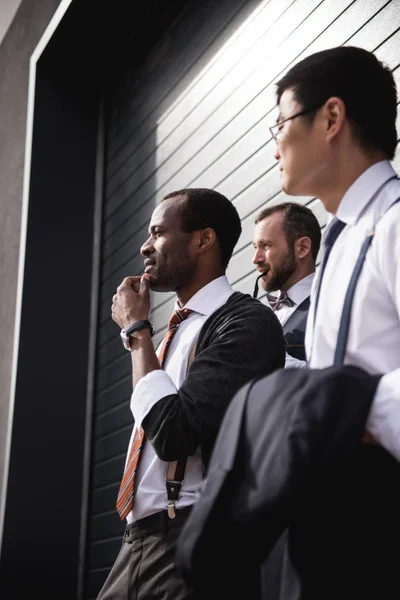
column 144, row 284
column 130, row 281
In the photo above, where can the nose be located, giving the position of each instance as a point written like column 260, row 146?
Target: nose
column 258, row 257
column 147, row 247
column 277, row 154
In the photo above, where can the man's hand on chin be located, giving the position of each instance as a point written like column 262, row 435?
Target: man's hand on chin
column 131, row 302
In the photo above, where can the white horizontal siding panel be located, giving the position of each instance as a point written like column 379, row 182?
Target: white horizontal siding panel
column 224, row 60
column 186, row 49
column 218, row 107
column 250, row 32
column 389, row 53
column 385, row 23
column 252, row 113
column 345, row 28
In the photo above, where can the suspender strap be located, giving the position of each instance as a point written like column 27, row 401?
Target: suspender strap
column 348, row 302
column 174, row 481
column 176, row 468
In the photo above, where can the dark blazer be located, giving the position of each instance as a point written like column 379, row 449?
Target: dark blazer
column 294, row 330
column 241, row 340
column 288, row 454
column 279, row 580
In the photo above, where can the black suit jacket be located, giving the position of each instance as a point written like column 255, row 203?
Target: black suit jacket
column 282, row 438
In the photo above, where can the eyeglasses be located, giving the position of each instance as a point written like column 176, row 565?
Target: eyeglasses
column 277, row 134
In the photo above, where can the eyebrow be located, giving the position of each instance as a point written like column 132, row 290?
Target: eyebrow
column 261, row 241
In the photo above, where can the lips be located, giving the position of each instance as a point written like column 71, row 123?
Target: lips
column 148, row 265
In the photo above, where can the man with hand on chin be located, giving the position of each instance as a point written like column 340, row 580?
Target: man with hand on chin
column 216, row 341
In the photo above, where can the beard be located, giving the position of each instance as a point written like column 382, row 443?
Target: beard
column 169, row 276
column 279, row 274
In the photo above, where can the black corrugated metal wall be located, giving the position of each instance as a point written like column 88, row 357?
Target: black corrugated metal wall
column 195, row 113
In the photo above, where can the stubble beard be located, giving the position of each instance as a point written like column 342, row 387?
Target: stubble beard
column 173, row 277
column 279, row 275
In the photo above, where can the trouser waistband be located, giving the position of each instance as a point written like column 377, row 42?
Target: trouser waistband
column 157, row 522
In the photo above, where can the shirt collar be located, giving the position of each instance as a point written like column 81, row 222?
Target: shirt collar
column 210, row 297
column 301, row 290
column 362, row 190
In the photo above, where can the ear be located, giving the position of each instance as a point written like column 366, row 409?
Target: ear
column 334, row 112
column 207, row 238
column 302, row 247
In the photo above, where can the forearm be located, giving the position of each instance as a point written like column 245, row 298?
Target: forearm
column 144, row 358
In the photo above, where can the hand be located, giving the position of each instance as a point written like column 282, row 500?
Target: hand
column 131, row 302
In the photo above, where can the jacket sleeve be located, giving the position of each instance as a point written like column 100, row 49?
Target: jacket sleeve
column 247, row 344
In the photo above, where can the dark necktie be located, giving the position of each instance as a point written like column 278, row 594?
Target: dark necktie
column 126, row 492
column 276, row 302
column 330, row 237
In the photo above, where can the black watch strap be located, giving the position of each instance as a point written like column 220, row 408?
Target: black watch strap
column 138, row 325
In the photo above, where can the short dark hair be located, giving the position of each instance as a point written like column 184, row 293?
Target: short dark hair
column 365, row 85
column 299, row 221
column 204, row 208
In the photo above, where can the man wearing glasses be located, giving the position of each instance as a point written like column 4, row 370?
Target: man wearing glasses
column 336, row 135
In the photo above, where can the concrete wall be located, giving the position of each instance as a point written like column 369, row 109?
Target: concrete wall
column 8, row 8
column 16, row 48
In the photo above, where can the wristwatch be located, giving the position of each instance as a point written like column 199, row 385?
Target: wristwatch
column 137, row 326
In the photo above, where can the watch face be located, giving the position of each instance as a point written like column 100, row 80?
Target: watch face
column 127, row 332
column 125, row 340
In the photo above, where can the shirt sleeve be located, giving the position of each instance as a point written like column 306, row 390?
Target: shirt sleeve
column 384, row 418
column 148, row 391
column 290, row 361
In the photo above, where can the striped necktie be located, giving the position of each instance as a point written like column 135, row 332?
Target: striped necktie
column 127, row 490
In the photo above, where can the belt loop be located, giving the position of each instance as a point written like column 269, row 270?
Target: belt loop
column 126, row 537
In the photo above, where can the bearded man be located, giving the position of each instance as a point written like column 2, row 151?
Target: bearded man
column 286, row 240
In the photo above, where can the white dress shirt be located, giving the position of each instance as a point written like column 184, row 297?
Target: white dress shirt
column 298, row 293
column 374, row 334
column 151, row 495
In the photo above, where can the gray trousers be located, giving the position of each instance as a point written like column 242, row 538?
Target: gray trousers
column 145, row 566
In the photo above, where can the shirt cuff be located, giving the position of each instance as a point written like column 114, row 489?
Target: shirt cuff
column 291, row 362
column 148, row 391
column 384, row 417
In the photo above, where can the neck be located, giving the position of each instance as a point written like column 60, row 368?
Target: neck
column 345, row 169
column 297, row 276
column 188, row 291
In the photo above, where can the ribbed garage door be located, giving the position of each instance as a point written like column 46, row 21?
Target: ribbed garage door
column 195, row 113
